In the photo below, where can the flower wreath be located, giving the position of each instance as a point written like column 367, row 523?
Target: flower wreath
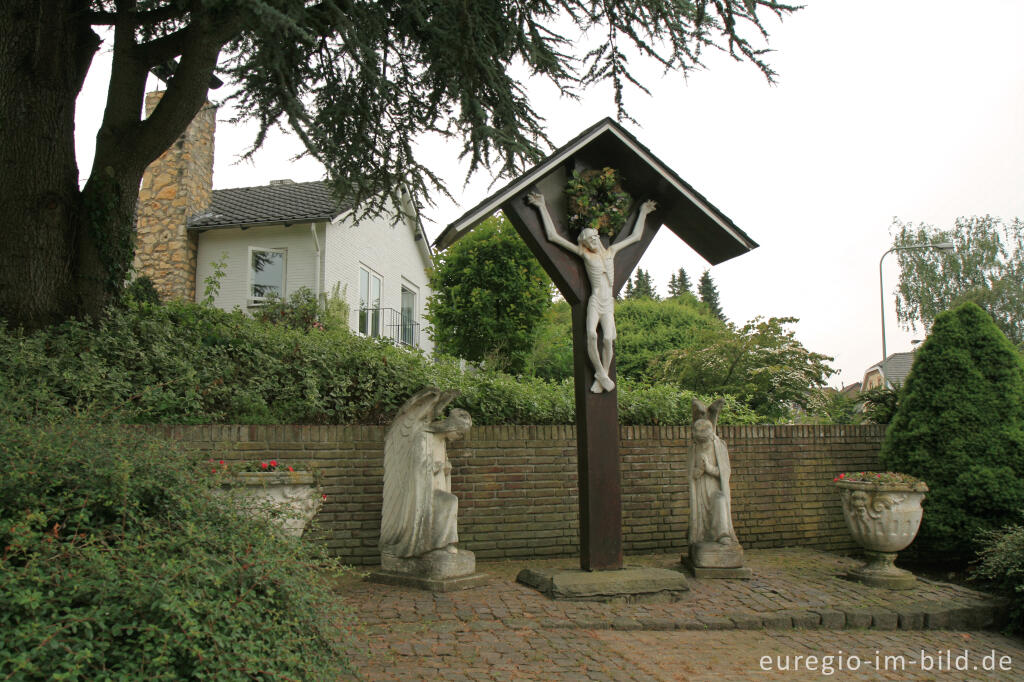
column 597, row 200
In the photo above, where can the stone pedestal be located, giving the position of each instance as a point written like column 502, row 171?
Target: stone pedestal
column 715, row 560
column 627, row 585
column 437, row 571
column 879, row 571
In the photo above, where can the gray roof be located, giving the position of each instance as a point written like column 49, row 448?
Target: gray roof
column 897, row 367
column 285, row 202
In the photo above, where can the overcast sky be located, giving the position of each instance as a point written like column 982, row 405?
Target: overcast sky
column 911, row 109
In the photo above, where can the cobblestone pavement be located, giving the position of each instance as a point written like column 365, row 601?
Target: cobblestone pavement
column 796, row 606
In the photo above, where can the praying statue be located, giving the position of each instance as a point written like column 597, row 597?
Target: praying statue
column 420, row 512
column 712, row 538
column 599, row 262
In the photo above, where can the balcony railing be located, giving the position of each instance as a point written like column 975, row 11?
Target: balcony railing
column 388, row 323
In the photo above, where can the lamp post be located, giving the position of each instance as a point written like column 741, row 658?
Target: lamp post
column 941, row 246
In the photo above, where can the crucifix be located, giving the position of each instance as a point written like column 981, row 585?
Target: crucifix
column 588, row 273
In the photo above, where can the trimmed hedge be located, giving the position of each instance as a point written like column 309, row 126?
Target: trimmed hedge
column 184, row 363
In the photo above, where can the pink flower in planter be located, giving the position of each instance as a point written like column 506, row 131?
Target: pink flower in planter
column 290, row 469
column 263, row 465
column 273, row 462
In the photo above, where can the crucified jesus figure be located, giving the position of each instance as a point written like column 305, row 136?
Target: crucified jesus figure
column 600, row 265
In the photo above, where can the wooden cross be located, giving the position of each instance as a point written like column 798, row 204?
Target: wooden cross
column 683, row 210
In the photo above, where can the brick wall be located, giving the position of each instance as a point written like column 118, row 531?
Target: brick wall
column 517, row 484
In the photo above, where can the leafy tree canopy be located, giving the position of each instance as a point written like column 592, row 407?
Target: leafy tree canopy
column 489, row 295
column 357, row 80
column 647, row 329
column 959, row 426
column 761, row 362
column 987, row 268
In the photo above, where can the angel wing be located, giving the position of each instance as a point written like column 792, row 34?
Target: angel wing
column 408, row 476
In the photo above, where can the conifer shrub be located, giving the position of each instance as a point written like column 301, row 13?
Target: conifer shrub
column 119, row 564
column 959, row 426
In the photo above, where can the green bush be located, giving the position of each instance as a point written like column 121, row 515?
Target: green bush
column 959, row 426
column 647, row 329
column 490, row 293
column 185, row 363
column 119, row 564
column 1002, row 564
column 881, row 403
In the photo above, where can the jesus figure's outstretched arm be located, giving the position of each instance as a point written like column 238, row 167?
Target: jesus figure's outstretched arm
column 537, row 200
column 646, row 209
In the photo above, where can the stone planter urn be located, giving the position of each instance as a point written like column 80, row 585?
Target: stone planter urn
column 290, row 498
column 883, row 512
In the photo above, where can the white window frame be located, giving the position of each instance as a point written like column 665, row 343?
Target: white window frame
column 408, row 326
column 370, row 276
column 260, row 300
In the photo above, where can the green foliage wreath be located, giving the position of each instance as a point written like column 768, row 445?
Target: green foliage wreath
column 597, row 200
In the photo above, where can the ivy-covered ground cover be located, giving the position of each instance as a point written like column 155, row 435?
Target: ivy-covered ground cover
column 119, row 564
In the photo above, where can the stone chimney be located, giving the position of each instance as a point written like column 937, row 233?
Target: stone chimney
column 175, row 187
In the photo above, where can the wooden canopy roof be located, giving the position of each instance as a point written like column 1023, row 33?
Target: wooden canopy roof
column 607, row 144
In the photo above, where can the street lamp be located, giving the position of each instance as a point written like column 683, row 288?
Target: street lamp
column 941, row 246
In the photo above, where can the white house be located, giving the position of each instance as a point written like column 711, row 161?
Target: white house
column 276, row 239
column 280, row 237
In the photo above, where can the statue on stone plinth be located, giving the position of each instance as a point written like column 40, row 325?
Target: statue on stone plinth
column 713, row 542
column 599, row 261
column 420, row 512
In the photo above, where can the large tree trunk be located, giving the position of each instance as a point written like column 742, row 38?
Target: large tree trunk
column 44, row 56
column 66, row 252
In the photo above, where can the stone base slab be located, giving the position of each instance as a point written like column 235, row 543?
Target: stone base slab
column 439, row 564
column 432, row 585
column 628, row 585
column 705, row 572
column 716, row 555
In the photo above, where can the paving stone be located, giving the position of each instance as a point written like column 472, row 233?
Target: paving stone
column 504, row 631
column 657, row 624
column 745, row 621
column 832, row 619
column 777, row 621
column 911, row 619
column 960, row 618
column 626, row 624
column 587, row 623
column 520, row 623
column 716, row 622
column 884, row 620
column 807, row 620
column 689, row 624
column 936, row 619
column 858, row 618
